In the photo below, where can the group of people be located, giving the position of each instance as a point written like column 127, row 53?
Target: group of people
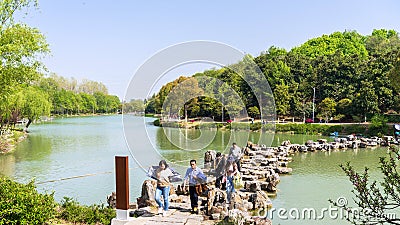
column 226, row 169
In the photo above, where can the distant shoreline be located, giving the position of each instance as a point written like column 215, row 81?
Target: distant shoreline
column 325, row 129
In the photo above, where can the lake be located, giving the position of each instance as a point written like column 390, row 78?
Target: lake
column 74, row 157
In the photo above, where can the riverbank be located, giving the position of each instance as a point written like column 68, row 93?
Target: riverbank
column 10, row 138
column 366, row 129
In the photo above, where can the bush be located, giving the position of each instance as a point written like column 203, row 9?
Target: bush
column 157, row 123
column 22, row 204
column 378, row 126
column 94, row 214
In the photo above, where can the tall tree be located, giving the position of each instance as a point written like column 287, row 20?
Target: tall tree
column 20, row 49
column 36, row 104
column 327, row 108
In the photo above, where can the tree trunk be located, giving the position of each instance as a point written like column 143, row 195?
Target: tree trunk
column 27, row 124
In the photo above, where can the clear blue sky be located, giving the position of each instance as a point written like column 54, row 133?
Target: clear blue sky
column 107, row 41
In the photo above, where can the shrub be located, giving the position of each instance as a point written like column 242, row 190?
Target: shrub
column 157, row 122
column 22, row 204
column 93, row 214
column 378, row 125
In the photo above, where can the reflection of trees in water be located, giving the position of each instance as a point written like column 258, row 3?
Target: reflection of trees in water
column 7, row 162
column 36, row 147
column 221, row 142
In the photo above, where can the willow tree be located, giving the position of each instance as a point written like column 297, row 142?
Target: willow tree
column 21, row 47
column 35, row 104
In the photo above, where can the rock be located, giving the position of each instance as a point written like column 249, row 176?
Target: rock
column 285, row 143
column 261, row 221
column 216, row 216
column 252, row 186
column 133, row 205
column 249, row 178
column 175, row 198
column 148, row 194
column 142, row 212
column 112, row 200
column 209, row 159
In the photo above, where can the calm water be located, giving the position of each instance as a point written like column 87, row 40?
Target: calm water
column 75, row 157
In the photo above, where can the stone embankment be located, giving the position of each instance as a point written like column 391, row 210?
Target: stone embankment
column 261, row 170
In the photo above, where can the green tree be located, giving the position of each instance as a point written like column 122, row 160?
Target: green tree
column 20, row 50
column 178, row 100
column 344, row 107
column 327, row 108
column 378, row 125
column 88, row 103
column 347, row 43
column 253, row 112
column 366, row 100
column 134, row 105
column 36, row 104
column 282, row 98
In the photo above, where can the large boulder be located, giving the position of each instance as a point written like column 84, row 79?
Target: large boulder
column 209, row 159
column 147, row 197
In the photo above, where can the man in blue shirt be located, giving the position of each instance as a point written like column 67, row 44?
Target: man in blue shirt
column 195, row 176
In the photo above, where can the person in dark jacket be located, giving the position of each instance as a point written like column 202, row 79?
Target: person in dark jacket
column 220, row 170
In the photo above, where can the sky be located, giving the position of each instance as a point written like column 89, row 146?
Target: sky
column 108, row 41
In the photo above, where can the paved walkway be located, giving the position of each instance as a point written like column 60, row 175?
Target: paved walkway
column 178, row 214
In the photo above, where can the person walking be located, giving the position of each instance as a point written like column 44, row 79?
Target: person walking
column 194, row 176
column 231, row 171
column 163, row 187
column 220, row 170
column 236, row 153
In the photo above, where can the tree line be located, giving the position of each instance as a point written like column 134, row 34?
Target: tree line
column 25, row 91
column 354, row 77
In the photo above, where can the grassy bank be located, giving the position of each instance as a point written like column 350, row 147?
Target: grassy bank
column 294, row 128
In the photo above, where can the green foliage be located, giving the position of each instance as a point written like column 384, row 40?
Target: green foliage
column 20, row 50
column 254, row 112
column 392, row 118
column 73, row 212
column 297, row 128
column 354, row 76
column 327, row 108
column 135, row 105
column 282, row 97
column 22, row 204
column 378, row 125
column 376, row 200
column 157, row 123
column 347, row 43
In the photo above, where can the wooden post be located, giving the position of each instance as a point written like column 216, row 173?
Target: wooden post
column 122, row 182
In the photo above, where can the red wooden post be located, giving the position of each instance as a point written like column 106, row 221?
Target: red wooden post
column 122, row 182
